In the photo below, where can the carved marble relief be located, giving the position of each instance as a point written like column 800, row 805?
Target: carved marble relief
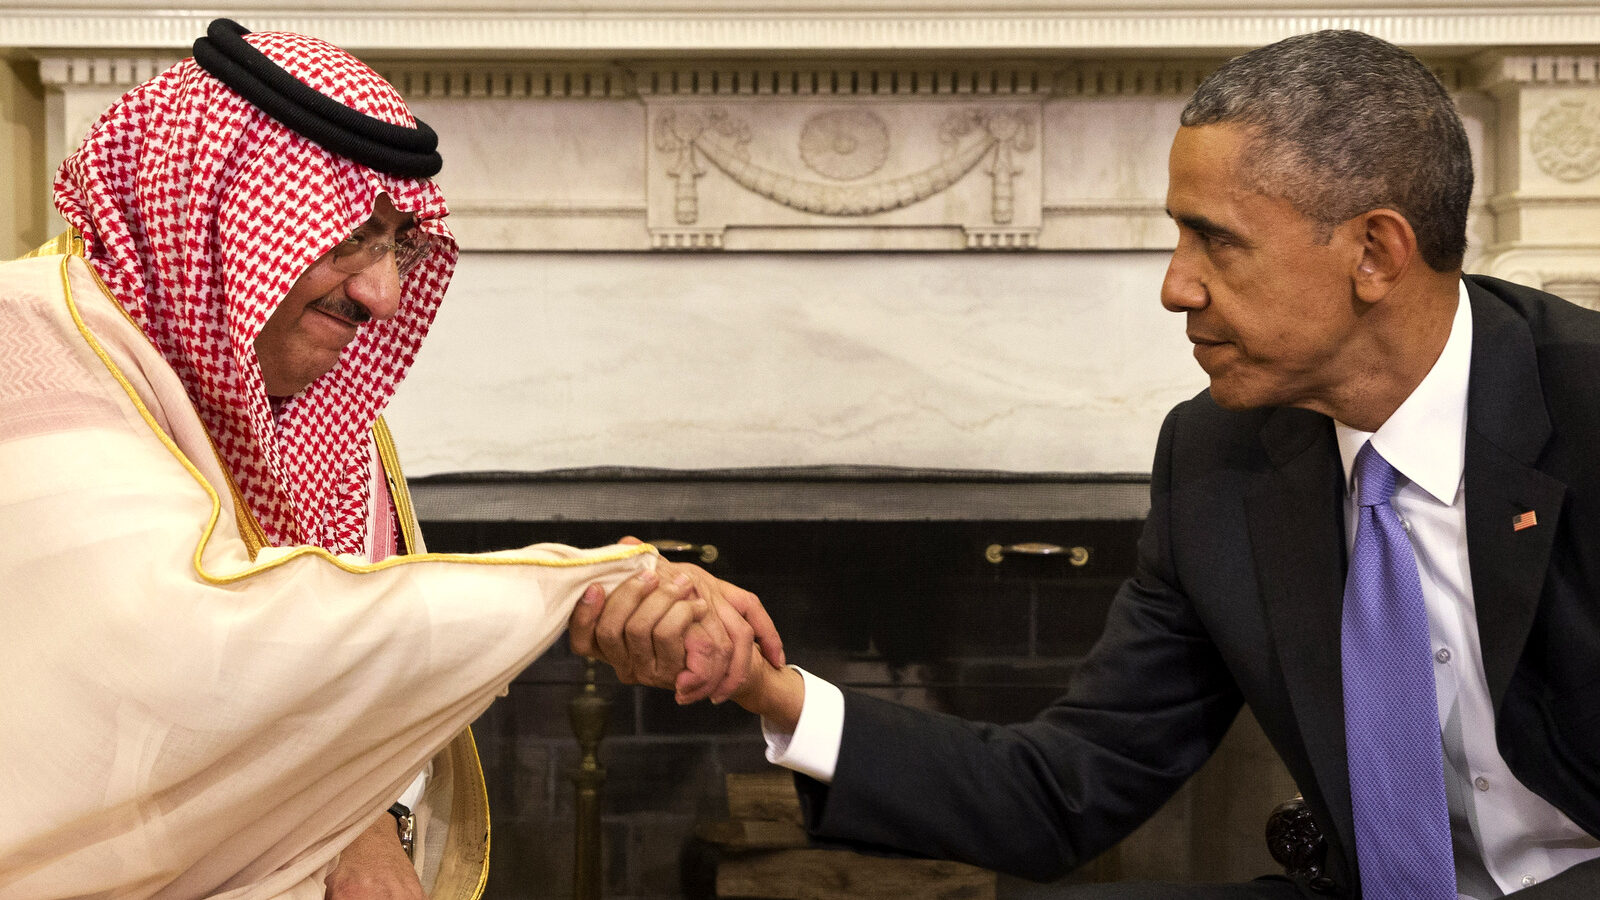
column 844, row 144
column 773, row 155
column 1546, row 200
column 1565, row 140
column 852, row 169
column 862, row 154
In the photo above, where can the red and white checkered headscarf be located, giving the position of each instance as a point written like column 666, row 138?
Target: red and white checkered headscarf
column 200, row 212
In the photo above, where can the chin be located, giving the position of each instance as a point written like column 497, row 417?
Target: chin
column 298, row 383
column 1237, row 397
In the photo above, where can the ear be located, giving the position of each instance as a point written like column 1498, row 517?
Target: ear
column 1388, row 248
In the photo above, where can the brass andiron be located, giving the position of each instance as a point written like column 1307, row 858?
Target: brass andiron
column 589, row 712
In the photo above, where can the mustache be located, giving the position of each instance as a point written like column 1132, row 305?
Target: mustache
column 343, row 308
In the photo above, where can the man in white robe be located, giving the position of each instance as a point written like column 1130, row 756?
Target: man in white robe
column 223, row 653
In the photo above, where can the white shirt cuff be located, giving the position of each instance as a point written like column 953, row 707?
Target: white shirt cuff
column 413, row 794
column 813, row 748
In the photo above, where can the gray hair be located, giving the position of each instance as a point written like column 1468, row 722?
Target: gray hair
column 1344, row 123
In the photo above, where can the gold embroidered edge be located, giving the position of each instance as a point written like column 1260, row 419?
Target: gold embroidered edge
column 399, row 492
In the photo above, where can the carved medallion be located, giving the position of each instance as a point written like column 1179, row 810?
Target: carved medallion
column 844, row 144
column 1566, row 140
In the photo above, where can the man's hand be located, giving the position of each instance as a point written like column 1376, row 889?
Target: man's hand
column 374, row 867
column 776, row 694
column 738, row 613
column 655, row 630
column 679, row 627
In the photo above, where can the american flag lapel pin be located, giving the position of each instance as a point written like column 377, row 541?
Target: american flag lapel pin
column 1524, row 520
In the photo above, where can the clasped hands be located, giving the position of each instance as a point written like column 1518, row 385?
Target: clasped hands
column 683, row 629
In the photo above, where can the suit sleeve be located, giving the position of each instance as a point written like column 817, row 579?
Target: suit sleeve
column 1143, row 712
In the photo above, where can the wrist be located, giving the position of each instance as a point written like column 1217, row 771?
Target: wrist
column 777, row 695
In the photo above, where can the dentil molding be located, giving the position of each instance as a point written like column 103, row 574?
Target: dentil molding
column 440, row 79
column 748, row 26
column 1499, row 69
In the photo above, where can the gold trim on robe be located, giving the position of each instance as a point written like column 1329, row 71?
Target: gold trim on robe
column 131, row 448
column 464, row 864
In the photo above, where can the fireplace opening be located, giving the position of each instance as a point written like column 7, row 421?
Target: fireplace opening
column 881, row 580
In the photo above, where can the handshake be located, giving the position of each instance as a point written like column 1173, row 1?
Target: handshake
column 683, row 629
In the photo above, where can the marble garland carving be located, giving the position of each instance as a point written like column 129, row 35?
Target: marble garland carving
column 1565, row 140
column 842, row 145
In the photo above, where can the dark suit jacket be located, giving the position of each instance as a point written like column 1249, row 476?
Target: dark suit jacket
column 1237, row 597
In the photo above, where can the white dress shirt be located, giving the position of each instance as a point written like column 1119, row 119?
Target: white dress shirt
column 1506, row 837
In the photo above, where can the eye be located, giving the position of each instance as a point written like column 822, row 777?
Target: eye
column 410, row 249
column 1205, row 241
column 354, row 243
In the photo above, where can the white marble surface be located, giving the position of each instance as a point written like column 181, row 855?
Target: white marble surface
column 559, row 153
column 1033, row 362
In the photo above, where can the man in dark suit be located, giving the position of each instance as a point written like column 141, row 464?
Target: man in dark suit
column 1320, row 188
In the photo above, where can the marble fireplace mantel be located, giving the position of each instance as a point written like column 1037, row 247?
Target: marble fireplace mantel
column 967, row 123
column 608, row 27
column 922, row 234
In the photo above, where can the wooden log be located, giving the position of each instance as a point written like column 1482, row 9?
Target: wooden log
column 818, row 874
column 737, row 835
column 767, row 796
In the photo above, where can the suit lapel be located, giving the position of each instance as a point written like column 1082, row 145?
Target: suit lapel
column 1507, row 428
column 1297, row 532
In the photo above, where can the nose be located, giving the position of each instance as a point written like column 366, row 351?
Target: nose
column 377, row 287
column 1183, row 289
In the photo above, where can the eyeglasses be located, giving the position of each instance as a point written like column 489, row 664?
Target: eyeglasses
column 358, row 251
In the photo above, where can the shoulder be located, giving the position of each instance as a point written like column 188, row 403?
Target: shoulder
column 58, row 287
column 1531, row 346
column 57, row 316
column 1216, row 451
column 31, row 291
column 1497, row 303
column 1563, row 337
column 31, row 272
column 1199, row 424
column 1200, row 411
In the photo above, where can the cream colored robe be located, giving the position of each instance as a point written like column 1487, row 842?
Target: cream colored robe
column 178, row 719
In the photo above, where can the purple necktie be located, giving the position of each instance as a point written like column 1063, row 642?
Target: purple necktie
column 1391, row 716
